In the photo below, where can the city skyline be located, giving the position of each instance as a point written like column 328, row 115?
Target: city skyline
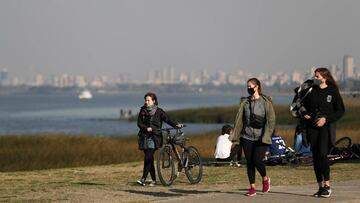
column 168, row 75
column 134, row 38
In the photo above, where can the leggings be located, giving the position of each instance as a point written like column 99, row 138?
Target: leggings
column 149, row 164
column 319, row 141
column 254, row 153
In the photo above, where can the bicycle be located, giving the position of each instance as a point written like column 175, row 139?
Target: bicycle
column 187, row 158
column 340, row 151
column 290, row 156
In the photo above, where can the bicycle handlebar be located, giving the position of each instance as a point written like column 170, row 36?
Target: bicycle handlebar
column 173, row 128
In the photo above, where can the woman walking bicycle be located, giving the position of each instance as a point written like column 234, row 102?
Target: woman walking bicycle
column 150, row 121
column 254, row 125
column 324, row 106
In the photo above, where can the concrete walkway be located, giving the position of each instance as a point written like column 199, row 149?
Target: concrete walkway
column 348, row 191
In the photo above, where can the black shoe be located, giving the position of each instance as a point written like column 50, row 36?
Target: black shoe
column 317, row 194
column 326, row 192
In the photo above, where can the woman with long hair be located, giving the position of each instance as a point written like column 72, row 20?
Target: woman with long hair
column 150, row 121
column 254, row 125
column 324, row 106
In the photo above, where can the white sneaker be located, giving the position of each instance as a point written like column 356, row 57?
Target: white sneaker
column 152, row 183
column 141, row 182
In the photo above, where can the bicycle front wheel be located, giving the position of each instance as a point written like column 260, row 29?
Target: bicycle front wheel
column 165, row 166
column 193, row 165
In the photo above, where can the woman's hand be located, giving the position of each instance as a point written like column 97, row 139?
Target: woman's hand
column 149, row 129
column 307, row 117
column 179, row 125
column 321, row 122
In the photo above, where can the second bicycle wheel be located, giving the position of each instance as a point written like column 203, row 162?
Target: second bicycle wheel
column 341, row 145
column 193, row 165
column 165, row 166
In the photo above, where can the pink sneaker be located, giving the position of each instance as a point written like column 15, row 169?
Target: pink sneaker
column 252, row 192
column 266, row 185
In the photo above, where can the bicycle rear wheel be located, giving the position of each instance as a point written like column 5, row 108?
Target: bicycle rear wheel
column 165, row 166
column 342, row 144
column 193, row 165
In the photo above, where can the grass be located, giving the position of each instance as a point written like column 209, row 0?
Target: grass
column 117, row 183
column 20, row 153
column 58, row 151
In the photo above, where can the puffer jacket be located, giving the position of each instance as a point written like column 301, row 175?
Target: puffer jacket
column 269, row 125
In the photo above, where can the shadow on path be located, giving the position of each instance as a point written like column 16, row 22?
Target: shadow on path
column 154, row 194
column 290, row 193
column 193, row 191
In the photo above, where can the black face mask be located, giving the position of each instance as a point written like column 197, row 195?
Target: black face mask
column 316, row 82
column 251, row 91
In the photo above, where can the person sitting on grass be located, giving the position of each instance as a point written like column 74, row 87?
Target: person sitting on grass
column 223, row 151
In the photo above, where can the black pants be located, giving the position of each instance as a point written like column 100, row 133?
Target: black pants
column 319, row 140
column 149, row 164
column 235, row 154
column 254, row 153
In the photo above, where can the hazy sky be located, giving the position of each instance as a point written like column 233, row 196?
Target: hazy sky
column 109, row 37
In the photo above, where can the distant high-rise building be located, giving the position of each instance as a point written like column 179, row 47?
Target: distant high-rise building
column 205, row 77
column 297, row 77
column 348, row 67
column 183, row 78
column 335, row 71
column 4, row 76
column 39, row 80
column 171, row 76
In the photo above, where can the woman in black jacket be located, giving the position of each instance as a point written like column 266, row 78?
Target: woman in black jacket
column 324, row 107
column 150, row 137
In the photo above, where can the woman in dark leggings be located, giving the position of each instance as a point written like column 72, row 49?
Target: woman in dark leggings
column 150, row 137
column 324, row 107
column 255, row 123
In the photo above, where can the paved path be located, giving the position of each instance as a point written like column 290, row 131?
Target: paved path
column 348, row 191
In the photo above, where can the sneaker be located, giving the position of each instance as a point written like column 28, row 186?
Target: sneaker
column 141, row 182
column 266, row 185
column 237, row 164
column 326, row 192
column 152, row 183
column 252, row 192
column 317, row 194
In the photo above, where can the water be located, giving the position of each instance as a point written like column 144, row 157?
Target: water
column 65, row 113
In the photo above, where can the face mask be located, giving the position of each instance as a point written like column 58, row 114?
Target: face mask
column 251, row 91
column 316, row 82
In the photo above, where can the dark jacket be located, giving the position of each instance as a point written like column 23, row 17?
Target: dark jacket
column 269, row 125
column 155, row 122
column 325, row 103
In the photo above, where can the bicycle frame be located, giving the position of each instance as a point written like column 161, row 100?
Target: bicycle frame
column 179, row 155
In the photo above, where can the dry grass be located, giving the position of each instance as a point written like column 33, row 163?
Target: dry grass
column 58, row 151
column 116, row 183
column 18, row 153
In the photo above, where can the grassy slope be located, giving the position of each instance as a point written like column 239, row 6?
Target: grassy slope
column 117, row 182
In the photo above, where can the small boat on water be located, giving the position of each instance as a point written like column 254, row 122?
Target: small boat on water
column 86, row 94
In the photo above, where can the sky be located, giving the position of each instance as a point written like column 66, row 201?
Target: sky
column 109, row 37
